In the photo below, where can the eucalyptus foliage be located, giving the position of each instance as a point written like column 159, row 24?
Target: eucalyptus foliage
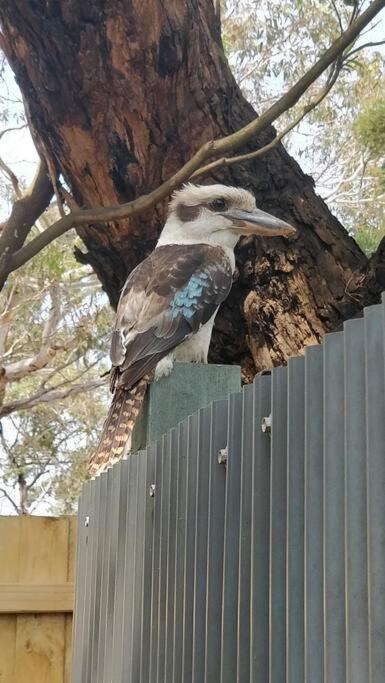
column 269, row 45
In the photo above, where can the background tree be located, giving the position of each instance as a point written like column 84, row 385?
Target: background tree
column 326, row 142
column 156, row 93
column 47, row 366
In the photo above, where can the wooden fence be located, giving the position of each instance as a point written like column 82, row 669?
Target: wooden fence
column 36, row 598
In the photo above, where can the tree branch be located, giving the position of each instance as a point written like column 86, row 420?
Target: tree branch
column 10, row 500
column 7, row 171
column 228, row 161
column 5, row 168
column 49, row 395
column 213, row 148
column 19, row 369
column 25, row 211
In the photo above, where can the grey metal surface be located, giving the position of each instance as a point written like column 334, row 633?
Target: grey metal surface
column 227, row 552
column 189, row 547
column 105, row 494
column 80, row 637
column 357, row 643
column 295, row 520
column 313, row 524
column 121, row 595
column 375, row 440
column 245, row 446
column 260, row 534
column 278, row 511
column 334, row 510
column 180, row 455
column 200, row 544
column 231, row 542
column 215, row 535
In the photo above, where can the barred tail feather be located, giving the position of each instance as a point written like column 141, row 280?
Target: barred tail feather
column 115, row 441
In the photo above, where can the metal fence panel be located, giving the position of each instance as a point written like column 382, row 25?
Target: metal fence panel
column 103, row 559
column 89, row 593
column 260, row 533
column 375, row 406
column 147, row 461
column 156, row 543
column 180, row 454
column 127, row 589
column 295, row 520
column 200, row 543
column 95, row 578
column 172, row 494
column 278, row 504
column 121, row 600
column 231, row 543
column 189, row 548
column 357, row 644
column 334, row 509
column 215, row 536
column 313, row 524
column 80, row 636
column 112, row 550
column 137, row 627
column 163, row 493
column 248, row 544
column 244, row 534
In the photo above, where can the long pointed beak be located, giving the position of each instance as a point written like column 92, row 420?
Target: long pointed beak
column 258, row 222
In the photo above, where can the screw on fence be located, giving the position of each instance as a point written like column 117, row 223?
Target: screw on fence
column 152, row 490
column 222, row 456
column 266, row 424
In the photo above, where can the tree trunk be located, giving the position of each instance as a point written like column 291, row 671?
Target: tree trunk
column 119, row 94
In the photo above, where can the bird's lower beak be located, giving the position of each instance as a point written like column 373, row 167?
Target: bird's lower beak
column 258, row 222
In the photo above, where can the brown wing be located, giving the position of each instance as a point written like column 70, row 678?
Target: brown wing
column 164, row 301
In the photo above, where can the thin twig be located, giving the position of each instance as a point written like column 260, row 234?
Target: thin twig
column 364, row 46
column 10, row 500
column 12, row 177
column 12, row 129
column 339, row 19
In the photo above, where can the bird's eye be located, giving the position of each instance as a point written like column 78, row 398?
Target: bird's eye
column 219, row 204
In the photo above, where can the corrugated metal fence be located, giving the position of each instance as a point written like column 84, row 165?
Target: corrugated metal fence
column 227, row 553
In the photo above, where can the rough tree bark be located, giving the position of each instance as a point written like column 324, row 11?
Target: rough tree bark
column 119, row 94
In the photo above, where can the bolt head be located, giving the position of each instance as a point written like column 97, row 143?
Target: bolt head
column 266, row 424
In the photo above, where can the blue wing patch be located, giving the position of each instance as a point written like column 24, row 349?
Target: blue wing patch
column 186, row 300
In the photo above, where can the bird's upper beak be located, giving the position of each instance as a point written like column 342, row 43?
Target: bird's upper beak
column 258, row 222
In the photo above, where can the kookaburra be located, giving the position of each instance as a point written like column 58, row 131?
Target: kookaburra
column 169, row 302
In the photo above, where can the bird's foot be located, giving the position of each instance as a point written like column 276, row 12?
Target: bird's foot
column 163, row 368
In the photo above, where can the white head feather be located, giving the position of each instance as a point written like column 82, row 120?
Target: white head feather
column 195, row 216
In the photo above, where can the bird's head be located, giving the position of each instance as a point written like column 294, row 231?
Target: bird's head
column 218, row 214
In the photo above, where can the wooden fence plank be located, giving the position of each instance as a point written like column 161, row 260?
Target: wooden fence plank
column 40, row 646
column 10, row 528
column 7, row 648
column 21, row 598
column 36, row 598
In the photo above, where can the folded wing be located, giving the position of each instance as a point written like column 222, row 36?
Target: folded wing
column 165, row 300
